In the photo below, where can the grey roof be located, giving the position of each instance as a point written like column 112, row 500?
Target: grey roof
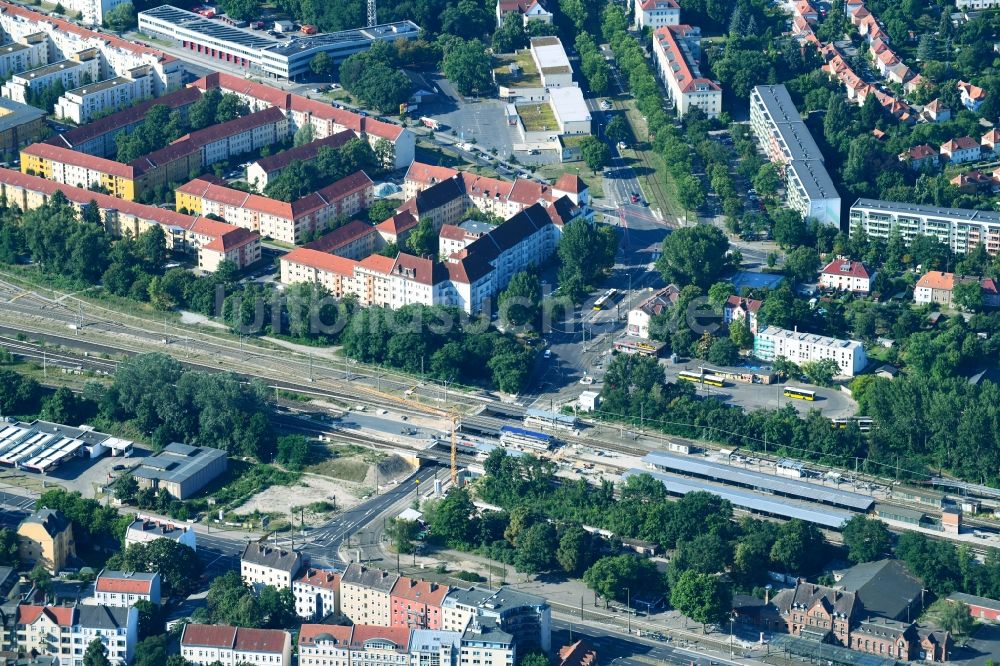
column 50, row 519
column 431, row 640
column 485, row 630
column 973, row 600
column 166, row 530
column 216, row 29
column 756, row 502
column 885, row 587
column 510, row 233
column 17, row 114
column 177, row 462
column 439, row 194
column 883, row 627
column 902, row 208
column 102, row 617
column 790, row 126
column 814, row 178
column 770, row 483
column 374, row 579
column 274, row 558
column 806, row 595
column 342, row 39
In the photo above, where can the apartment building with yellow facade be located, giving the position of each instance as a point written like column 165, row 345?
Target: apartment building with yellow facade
column 46, row 538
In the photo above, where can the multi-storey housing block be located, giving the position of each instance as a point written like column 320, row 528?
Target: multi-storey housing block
column 264, row 564
column 677, row 49
column 773, row 342
column 959, row 228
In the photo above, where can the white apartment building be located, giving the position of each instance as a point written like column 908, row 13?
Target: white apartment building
column 82, row 68
column 847, row 275
column 961, row 150
column 357, row 645
column 204, row 644
column 658, row 303
column 799, row 348
column 264, row 564
column 83, row 103
column 66, row 631
column 678, row 51
column 975, row 5
column 779, row 129
column 959, row 228
column 530, row 10
column 65, row 38
column 17, row 57
column 93, row 10
column 364, row 595
column 485, row 644
column 316, row 592
column 656, row 13
column 122, row 589
column 432, row 647
column 144, row 530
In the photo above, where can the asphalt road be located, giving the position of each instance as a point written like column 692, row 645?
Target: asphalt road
column 631, row 650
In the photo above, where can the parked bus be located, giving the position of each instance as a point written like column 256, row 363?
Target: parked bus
column 606, row 299
column 689, row 376
column 799, row 393
column 864, row 423
column 713, row 380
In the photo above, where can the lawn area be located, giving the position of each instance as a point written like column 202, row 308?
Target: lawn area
column 527, row 75
column 537, row 118
column 595, row 181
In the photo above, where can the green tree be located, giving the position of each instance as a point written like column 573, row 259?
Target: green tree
column 576, row 550
column 702, row 597
column 866, row 539
column 767, row 180
column 467, row 66
column 450, row 519
column 242, row 10
column 321, row 64
column 381, row 210
column 802, row 264
column 968, row 294
column 293, row 451
column 402, row 534
column 740, row 334
column 690, row 192
column 723, row 352
column 821, row 372
column 585, row 252
column 231, row 106
column 623, row 575
column 694, row 255
column 178, row 565
column 18, row 394
column 617, row 129
column 59, row 9
column 423, row 241
column 520, row 302
column 41, row 578
column 595, row 153
column 304, row 134
column 798, row 547
column 956, row 618
column 64, row 406
column 96, row 654
column 510, row 36
column 122, row 18
column 150, row 618
column 536, row 548
column 152, row 651
column 534, row 658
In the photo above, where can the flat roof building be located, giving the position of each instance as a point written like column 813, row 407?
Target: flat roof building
column 961, row 229
column 259, row 53
column 773, row 343
column 570, row 110
column 41, row 446
column 183, row 470
column 552, row 62
column 783, row 135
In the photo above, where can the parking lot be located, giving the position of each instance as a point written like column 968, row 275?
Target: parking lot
column 479, row 121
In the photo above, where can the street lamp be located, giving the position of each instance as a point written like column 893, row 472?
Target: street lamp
column 628, row 609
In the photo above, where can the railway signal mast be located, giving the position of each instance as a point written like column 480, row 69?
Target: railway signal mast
column 372, row 22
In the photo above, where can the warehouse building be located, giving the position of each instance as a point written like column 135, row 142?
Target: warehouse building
column 183, row 470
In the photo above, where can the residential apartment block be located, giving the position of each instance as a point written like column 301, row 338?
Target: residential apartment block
column 316, row 593
column 738, row 308
column 122, row 589
column 358, row 645
column 779, row 129
column 261, row 172
column 355, row 240
column 961, row 150
column 844, row 274
column 656, row 13
column 204, row 644
column 959, row 228
column 658, row 303
column 525, row 617
column 17, row 57
column 83, row 103
column 93, row 10
column 677, row 49
column 65, row 632
column 20, row 124
column 416, row 604
column 65, row 38
column 486, row 644
column 264, row 564
column 46, row 538
column 173, row 163
column 144, row 530
column 286, row 222
column 365, row 595
column 799, row 348
column 79, row 69
column 325, row 119
column 937, row 287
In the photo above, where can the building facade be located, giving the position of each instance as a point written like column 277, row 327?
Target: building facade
column 180, row 469
column 416, row 604
column 938, row 287
column 656, row 13
column 145, row 530
column 365, row 595
column 774, row 342
column 101, row 97
column 783, row 135
column 46, row 538
column 677, row 50
column 204, row 644
column 959, row 228
column 121, row 589
column 843, row 274
column 264, row 564
column 316, row 593
column 65, row 632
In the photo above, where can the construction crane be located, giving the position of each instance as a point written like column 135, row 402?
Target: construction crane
column 372, row 14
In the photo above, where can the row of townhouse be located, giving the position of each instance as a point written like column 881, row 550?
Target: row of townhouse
column 885, row 61
column 467, row 279
column 325, row 119
column 64, row 632
column 370, row 596
column 286, row 222
column 174, row 163
column 211, row 241
column 858, row 90
column 960, row 229
column 63, row 39
column 677, row 49
column 961, row 150
column 804, row 17
column 786, row 140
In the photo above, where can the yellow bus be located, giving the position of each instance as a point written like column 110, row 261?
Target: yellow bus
column 713, row 380
column 689, row 376
column 799, row 393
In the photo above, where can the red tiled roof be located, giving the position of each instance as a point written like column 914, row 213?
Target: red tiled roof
column 648, row 5
column 847, row 268
column 329, row 580
column 423, row 591
column 66, row 156
column 991, row 138
column 429, row 173
column 305, row 152
column 748, row 304
column 236, row 638
column 418, row 269
column 310, row 633
column 366, row 632
column 66, row 26
column 516, row 5
column 231, row 240
column 961, row 143
column 123, row 585
column 667, row 38
column 332, row 193
column 341, row 236
column 29, row 613
column 569, row 182
column 398, row 223
column 323, row 261
column 922, row 151
column 971, row 91
column 937, row 280
column 577, row 654
column 260, row 640
column 378, row 263
column 452, row 232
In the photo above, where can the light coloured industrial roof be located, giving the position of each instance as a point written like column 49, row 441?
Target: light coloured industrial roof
column 569, row 104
